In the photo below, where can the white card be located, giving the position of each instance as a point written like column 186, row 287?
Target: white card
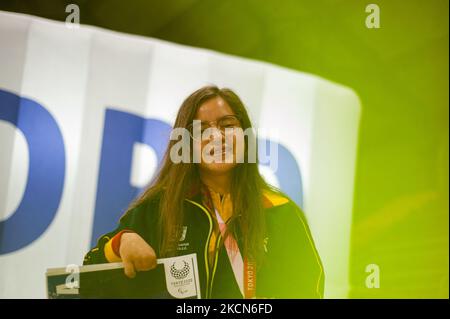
column 181, row 276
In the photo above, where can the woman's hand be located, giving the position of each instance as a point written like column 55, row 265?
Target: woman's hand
column 136, row 254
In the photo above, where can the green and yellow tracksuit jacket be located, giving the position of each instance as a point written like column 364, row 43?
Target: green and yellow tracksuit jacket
column 291, row 268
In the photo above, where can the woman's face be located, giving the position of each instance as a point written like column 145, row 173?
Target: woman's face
column 216, row 113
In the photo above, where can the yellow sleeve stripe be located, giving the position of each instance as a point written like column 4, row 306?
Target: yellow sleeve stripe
column 109, row 253
column 315, row 254
column 274, row 198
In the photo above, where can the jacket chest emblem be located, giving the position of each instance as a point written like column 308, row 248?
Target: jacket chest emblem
column 183, row 233
column 182, row 245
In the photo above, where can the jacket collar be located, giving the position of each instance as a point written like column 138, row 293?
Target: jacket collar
column 200, row 193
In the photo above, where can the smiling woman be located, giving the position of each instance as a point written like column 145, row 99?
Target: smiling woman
column 248, row 236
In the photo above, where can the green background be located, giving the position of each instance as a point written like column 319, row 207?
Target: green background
column 400, row 73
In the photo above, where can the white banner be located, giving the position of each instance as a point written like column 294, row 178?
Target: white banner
column 84, row 119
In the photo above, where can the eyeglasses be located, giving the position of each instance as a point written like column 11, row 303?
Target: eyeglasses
column 228, row 121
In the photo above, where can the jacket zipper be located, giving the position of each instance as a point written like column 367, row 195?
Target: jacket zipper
column 216, row 258
column 206, row 252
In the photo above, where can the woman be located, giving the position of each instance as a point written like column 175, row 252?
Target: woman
column 251, row 240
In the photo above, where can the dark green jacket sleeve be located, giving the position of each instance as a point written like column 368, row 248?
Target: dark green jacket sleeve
column 141, row 220
column 293, row 267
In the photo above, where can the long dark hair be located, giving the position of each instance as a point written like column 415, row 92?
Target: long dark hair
column 174, row 181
